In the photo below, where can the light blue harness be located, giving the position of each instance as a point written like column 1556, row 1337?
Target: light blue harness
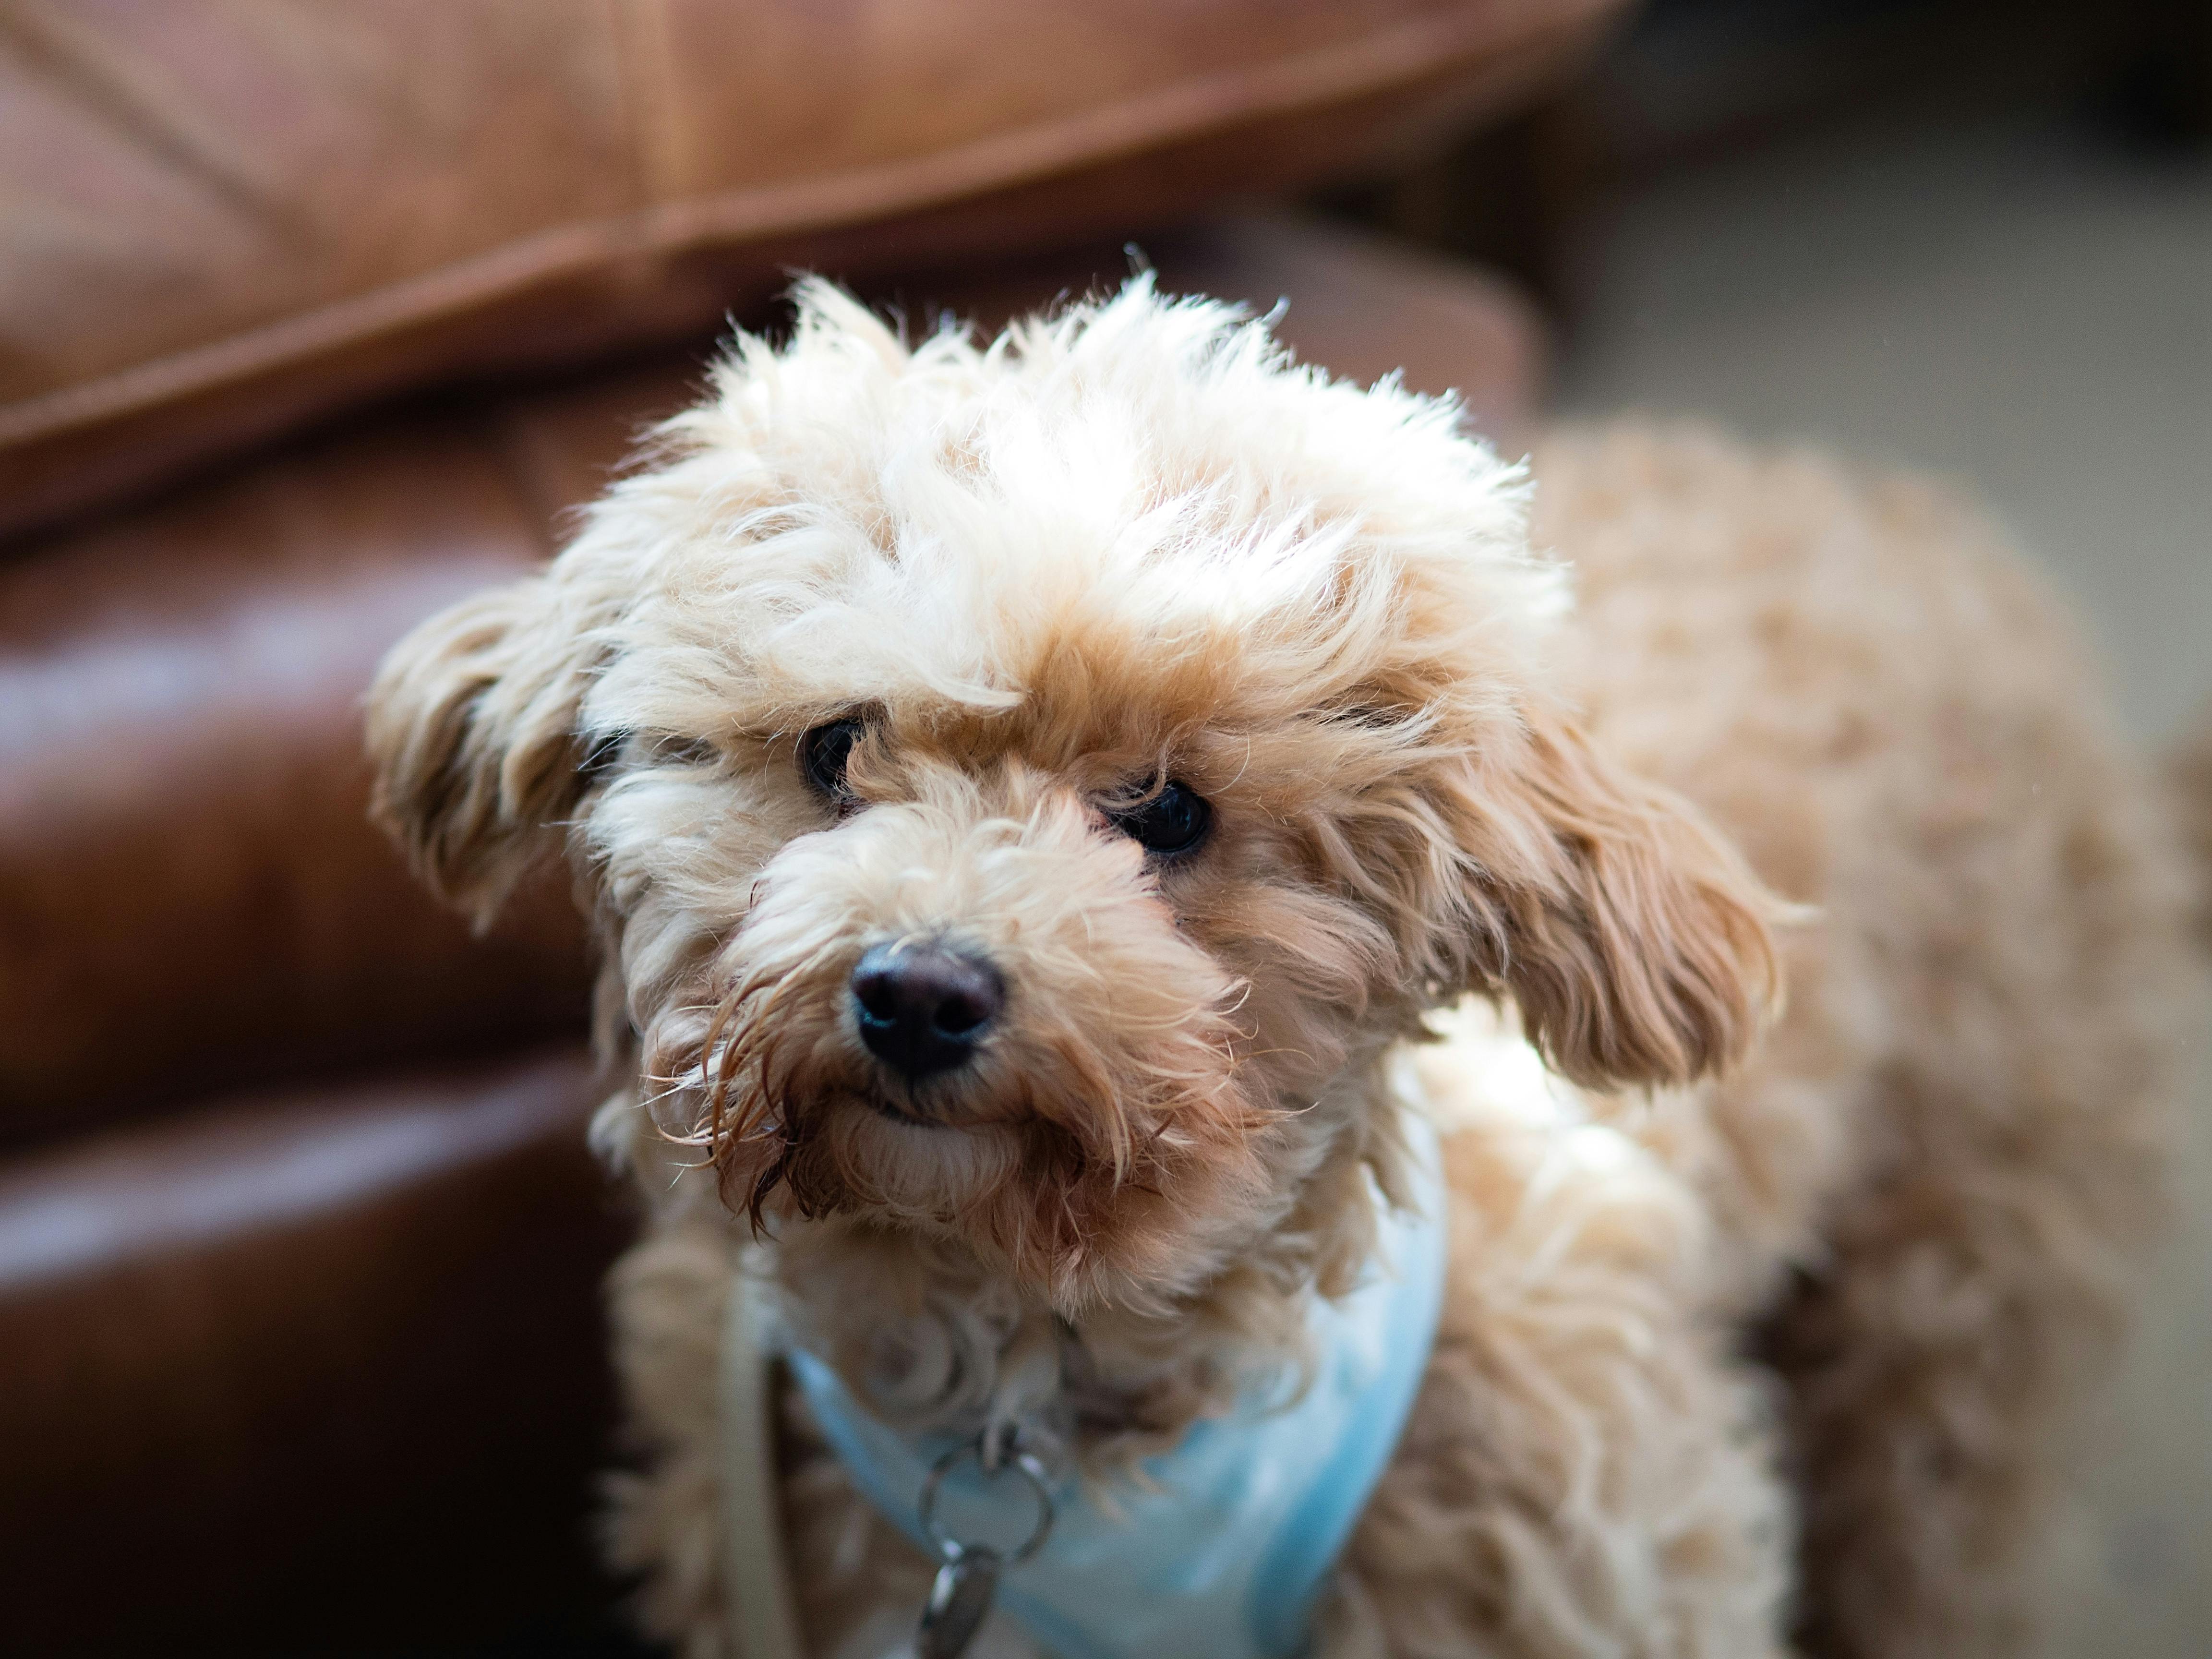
column 1222, row 1551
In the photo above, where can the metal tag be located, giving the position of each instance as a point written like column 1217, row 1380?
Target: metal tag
column 957, row 1603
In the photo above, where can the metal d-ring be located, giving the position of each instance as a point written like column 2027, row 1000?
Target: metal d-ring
column 950, row 1548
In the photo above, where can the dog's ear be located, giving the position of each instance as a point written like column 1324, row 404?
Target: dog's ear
column 472, row 735
column 1633, row 937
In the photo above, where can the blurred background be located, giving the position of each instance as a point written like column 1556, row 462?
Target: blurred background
column 312, row 319
column 1969, row 238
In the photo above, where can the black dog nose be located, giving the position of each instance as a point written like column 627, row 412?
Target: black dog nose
column 922, row 1007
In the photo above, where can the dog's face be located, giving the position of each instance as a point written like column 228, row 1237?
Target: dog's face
column 1019, row 783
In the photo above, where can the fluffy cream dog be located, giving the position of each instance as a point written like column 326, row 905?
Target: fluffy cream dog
column 1184, row 735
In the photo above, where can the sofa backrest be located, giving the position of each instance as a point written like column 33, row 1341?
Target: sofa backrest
column 221, row 217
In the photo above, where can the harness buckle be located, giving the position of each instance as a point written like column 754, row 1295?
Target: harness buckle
column 968, row 1580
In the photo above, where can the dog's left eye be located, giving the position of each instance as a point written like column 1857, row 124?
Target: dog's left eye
column 1174, row 821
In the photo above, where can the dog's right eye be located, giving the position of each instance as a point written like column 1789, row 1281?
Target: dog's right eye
column 823, row 755
column 1173, row 821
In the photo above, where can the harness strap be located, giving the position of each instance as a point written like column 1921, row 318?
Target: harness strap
column 758, row 1609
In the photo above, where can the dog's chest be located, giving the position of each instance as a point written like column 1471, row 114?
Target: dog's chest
column 1220, row 1545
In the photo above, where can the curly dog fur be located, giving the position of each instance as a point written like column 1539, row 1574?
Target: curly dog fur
column 1760, row 1325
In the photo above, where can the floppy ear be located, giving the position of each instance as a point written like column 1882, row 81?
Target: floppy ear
column 472, row 734
column 1633, row 937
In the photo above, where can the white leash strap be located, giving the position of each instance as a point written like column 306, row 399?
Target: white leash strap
column 757, row 1609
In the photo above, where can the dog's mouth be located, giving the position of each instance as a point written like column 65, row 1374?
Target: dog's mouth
column 893, row 1111
column 933, row 1106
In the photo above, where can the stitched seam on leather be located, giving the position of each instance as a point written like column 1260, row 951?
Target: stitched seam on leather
column 133, row 111
column 279, row 1173
column 1405, row 55
column 642, row 49
column 520, row 454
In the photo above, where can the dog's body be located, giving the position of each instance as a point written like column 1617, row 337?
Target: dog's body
column 1201, row 729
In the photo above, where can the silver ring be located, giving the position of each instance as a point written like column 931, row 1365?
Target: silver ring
column 950, row 1548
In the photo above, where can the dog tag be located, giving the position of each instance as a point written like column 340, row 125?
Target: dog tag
column 957, row 1602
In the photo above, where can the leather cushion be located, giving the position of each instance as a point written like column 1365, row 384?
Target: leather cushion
column 323, row 1371
column 217, row 219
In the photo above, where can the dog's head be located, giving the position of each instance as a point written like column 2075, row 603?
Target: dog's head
column 1019, row 781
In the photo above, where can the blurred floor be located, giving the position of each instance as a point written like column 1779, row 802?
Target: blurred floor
column 2028, row 306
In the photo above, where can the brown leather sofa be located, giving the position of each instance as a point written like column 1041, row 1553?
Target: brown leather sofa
column 313, row 318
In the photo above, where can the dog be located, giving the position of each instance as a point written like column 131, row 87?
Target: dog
column 1077, row 823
